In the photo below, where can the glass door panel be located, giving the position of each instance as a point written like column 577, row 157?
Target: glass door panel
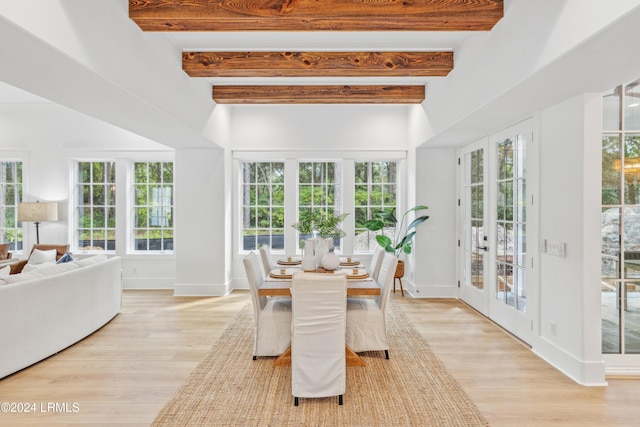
column 473, row 225
column 510, row 222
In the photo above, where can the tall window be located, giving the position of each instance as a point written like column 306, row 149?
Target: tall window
column 620, row 227
column 375, row 191
column 153, row 206
column 10, row 196
column 262, row 205
column 320, row 189
column 95, row 206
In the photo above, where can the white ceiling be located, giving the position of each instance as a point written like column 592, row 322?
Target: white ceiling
column 12, row 95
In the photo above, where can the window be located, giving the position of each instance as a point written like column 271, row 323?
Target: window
column 95, row 206
column 277, row 193
column 620, row 266
column 375, row 190
column 262, row 205
column 10, row 196
column 320, row 190
column 153, row 207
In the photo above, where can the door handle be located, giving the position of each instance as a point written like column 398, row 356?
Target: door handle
column 485, row 248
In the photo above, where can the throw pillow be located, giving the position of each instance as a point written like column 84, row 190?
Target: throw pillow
column 65, row 258
column 39, row 257
column 32, row 267
column 5, row 271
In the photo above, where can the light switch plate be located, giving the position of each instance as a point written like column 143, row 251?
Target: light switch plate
column 556, row 248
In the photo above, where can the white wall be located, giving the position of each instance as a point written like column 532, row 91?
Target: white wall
column 570, row 171
column 326, row 128
column 435, row 243
column 202, row 222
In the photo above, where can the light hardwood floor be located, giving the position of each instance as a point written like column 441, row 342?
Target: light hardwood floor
column 125, row 372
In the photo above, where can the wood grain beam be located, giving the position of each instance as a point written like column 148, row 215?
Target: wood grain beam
column 314, row 15
column 318, row 94
column 324, row 64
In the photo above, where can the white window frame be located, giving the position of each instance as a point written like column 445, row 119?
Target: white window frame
column 373, row 209
column 131, row 206
column 291, row 159
column 271, row 206
column 76, row 199
column 20, row 188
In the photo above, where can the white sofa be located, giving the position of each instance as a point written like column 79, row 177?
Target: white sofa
column 45, row 311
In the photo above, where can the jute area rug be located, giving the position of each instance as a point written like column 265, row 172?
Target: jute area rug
column 412, row 388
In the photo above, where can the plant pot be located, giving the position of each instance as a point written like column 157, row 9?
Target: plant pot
column 399, row 270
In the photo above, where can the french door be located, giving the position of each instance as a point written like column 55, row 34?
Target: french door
column 496, row 208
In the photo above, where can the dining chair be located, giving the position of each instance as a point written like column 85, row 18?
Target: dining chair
column 268, row 263
column 367, row 317
column 318, row 357
column 376, row 262
column 272, row 327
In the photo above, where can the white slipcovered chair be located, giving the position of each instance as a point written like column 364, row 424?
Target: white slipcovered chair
column 318, row 359
column 376, row 262
column 272, row 328
column 367, row 317
column 268, row 263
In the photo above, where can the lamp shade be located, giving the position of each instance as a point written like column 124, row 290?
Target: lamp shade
column 36, row 211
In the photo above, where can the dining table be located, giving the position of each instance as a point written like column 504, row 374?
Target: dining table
column 359, row 283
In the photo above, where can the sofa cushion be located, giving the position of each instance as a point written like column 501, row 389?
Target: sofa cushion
column 5, row 271
column 40, row 257
column 28, row 267
column 14, row 278
column 60, row 249
column 91, row 260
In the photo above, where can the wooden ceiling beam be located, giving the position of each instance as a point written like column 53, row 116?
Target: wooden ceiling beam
column 314, row 15
column 317, row 64
column 318, row 94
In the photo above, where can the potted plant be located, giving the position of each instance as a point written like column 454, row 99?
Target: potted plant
column 314, row 222
column 403, row 237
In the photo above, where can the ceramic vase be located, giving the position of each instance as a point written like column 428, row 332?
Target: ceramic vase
column 321, row 251
column 330, row 261
column 309, row 263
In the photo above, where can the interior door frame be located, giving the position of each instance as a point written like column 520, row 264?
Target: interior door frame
column 477, row 299
column 525, row 326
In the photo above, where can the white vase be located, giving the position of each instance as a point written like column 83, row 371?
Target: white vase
column 309, row 248
column 330, row 261
column 309, row 263
column 321, row 251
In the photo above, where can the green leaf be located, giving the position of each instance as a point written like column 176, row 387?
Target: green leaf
column 407, row 248
column 418, row 208
column 417, row 222
column 406, row 239
column 374, row 225
column 383, row 241
column 388, row 217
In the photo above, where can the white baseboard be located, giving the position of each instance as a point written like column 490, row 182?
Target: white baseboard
column 589, row 373
column 429, row 291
